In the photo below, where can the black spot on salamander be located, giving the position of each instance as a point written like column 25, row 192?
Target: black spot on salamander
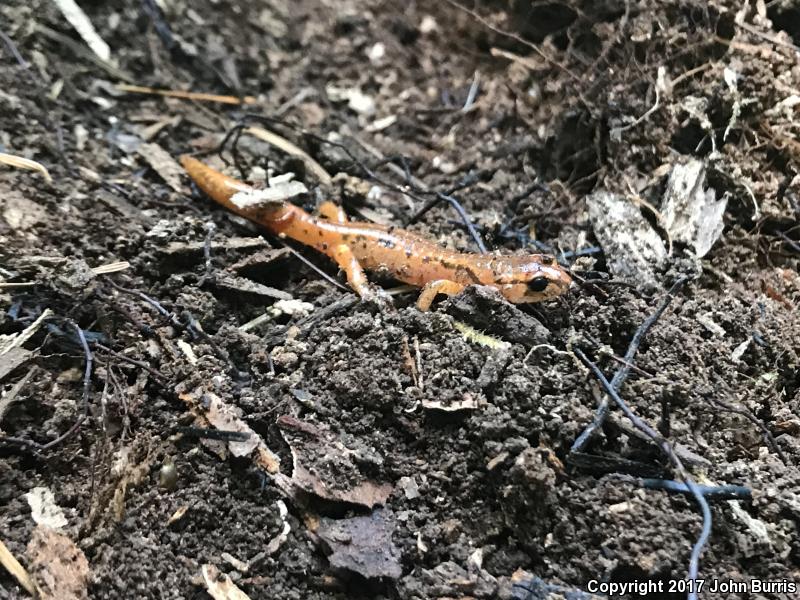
column 386, row 243
column 324, row 246
column 346, row 237
column 408, row 253
column 319, row 232
column 426, row 259
column 546, row 260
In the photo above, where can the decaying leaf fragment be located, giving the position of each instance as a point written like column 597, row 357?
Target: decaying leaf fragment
column 219, row 586
column 57, row 565
column 325, row 467
column 162, row 163
column 363, row 545
column 692, row 214
column 225, row 418
column 632, row 247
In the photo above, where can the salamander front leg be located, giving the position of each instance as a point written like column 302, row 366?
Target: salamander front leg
column 332, row 212
column 434, row 288
column 355, row 274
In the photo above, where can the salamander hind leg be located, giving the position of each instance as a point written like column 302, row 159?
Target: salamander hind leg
column 332, row 212
column 434, row 288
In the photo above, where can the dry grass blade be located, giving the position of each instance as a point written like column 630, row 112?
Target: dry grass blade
column 283, row 144
column 12, row 160
column 111, row 268
column 78, row 19
column 13, row 566
column 196, row 96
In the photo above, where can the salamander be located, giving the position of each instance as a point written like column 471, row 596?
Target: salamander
column 406, row 256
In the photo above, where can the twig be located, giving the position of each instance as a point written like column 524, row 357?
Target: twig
column 209, row 274
column 792, row 244
column 473, row 92
column 666, row 448
column 777, row 41
column 13, row 49
column 161, row 378
column 169, row 316
column 716, row 492
column 622, row 373
column 83, row 52
column 440, row 196
column 311, row 265
column 87, row 382
column 211, row 434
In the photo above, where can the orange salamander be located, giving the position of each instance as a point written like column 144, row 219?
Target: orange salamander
column 401, row 254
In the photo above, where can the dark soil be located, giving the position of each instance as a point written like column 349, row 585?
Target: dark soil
column 478, row 494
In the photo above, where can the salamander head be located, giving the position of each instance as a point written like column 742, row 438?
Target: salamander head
column 533, row 280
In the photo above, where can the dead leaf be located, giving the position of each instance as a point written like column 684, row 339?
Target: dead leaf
column 57, row 565
column 11, row 360
column 162, row 163
column 325, row 467
column 632, row 247
column 363, row 545
column 225, row 418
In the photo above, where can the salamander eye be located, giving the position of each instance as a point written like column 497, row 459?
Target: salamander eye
column 538, row 284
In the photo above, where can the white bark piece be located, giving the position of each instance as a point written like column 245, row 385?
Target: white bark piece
column 44, row 510
column 692, row 214
column 78, row 19
column 273, row 195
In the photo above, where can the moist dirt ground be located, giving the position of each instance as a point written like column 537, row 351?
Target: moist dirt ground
column 416, row 461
